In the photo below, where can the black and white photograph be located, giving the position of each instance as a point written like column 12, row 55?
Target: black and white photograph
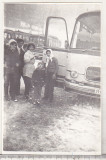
column 52, row 78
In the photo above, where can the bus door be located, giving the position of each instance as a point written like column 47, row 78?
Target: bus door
column 56, row 38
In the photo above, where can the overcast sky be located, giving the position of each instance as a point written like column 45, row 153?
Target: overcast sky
column 36, row 14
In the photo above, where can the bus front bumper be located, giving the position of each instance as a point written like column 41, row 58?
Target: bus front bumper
column 82, row 89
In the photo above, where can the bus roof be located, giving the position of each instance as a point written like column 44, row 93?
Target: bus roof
column 88, row 13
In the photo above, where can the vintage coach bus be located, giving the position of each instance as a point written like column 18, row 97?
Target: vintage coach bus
column 79, row 62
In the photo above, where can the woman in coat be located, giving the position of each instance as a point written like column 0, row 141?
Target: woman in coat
column 51, row 72
column 29, row 60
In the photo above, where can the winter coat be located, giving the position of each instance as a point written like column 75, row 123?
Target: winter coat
column 21, row 56
column 52, row 66
column 11, row 61
column 29, row 61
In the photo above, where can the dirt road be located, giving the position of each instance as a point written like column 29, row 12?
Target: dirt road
column 69, row 124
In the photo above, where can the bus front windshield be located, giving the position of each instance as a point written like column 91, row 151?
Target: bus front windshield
column 87, row 32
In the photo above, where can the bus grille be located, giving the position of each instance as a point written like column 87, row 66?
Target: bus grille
column 93, row 74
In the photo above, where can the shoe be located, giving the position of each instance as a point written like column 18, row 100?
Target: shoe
column 38, row 103
column 14, row 99
column 30, row 98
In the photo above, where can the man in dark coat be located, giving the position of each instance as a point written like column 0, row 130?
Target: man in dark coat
column 11, row 69
column 21, row 52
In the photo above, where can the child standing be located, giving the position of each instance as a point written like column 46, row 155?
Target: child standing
column 38, row 82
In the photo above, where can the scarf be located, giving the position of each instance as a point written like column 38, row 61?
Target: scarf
column 49, row 58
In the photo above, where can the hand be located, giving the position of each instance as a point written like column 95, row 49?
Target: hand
column 33, row 57
column 54, row 76
column 32, row 61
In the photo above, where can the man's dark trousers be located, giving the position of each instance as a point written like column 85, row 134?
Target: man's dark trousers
column 9, row 79
column 49, row 88
column 20, row 72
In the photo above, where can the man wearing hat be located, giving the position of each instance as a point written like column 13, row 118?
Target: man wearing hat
column 11, row 67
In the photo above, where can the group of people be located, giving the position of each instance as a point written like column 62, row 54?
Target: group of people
column 20, row 61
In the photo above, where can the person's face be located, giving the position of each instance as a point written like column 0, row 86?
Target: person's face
column 20, row 44
column 31, row 48
column 13, row 46
column 48, row 53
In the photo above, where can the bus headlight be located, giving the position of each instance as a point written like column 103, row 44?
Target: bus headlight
column 74, row 74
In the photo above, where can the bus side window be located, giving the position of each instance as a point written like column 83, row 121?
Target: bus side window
column 8, row 36
column 31, row 39
column 12, row 36
column 27, row 39
column 20, row 36
column 16, row 36
column 24, row 37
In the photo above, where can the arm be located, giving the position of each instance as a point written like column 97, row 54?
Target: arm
column 28, row 57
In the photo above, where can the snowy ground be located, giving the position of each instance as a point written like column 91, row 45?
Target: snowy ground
column 69, row 124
